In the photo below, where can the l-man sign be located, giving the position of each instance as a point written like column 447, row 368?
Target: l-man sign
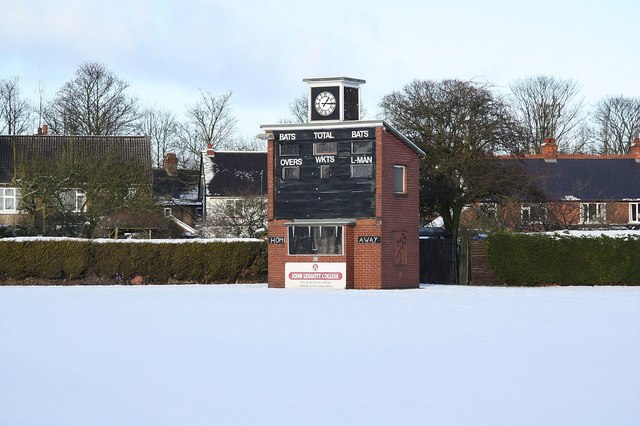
column 315, row 275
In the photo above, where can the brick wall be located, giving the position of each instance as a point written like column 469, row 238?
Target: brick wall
column 618, row 213
column 399, row 213
column 391, row 263
column 367, row 257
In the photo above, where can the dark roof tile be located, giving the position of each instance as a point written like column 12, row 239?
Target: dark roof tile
column 53, row 148
column 237, row 173
column 590, row 179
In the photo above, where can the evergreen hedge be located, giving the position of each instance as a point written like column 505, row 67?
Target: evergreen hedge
column 199, row 261
column 531, row 259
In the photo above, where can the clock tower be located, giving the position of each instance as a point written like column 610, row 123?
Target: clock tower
column 343, row 196
column 334, row 99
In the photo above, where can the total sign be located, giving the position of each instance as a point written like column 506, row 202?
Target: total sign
column 315, row 275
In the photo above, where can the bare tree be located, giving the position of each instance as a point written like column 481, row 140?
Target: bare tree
column 299, row 108
column 162, row 128
column 240, row 217
column 459, row 125
column 15, row 112
column 93, row 103
column 547, row 108
column 616, row 124
column 209, row 122
column 247, row 144
column 40, row 103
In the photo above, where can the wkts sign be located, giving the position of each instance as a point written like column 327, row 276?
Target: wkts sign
column 315, row 275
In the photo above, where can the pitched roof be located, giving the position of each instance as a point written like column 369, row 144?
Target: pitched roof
column 235, row 173
column 53, row 148
column 587, row 178
column 180, row 189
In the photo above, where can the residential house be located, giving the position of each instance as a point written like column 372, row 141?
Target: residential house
column 574, row 191
column 56, row 164
column 178, row 192
column 234, row 187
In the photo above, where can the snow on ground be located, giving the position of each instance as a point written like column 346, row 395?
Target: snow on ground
column 246, row 354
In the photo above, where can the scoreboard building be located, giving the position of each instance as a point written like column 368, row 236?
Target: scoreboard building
column 342, row 197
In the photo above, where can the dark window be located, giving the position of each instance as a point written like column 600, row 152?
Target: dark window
column 399, row 173
column 362, row 170
column 325, row 148
column 325, row 172
column 291, row 172
column 534, row 213
column 593, row 213
column 361, row 147
column 489, row 210
column 289, row 149
column 315, row 240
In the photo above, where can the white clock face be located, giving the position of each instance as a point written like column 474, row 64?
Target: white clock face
column 325, row 103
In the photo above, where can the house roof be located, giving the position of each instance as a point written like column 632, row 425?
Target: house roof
column 235, row 173
column 586, row 178
column 179, row 189
column 53, row 148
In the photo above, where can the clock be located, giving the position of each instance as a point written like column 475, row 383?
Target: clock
column 325, row 103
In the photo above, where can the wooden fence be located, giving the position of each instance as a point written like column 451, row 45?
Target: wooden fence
column 438, row 266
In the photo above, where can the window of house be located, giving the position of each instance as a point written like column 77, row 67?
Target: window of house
column 74, row 200
column 315, row 240
column 325, row 148
column 291, row 172
column 9, row 200
column 234, row 208
column 634, row 212
column 489, row 210
column 399, row 179
column 533, row 213
column 361, row 147
column 167, row 211
column 593, row 213
column 362, row 170
column 289, row 149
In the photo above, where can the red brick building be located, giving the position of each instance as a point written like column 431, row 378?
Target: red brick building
column 342, row 197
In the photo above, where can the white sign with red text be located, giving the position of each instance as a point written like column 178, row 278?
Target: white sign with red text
column 315, row 275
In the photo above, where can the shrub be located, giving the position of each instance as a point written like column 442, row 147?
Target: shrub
column 531, row 259
column 159, row 262
column 44, row 259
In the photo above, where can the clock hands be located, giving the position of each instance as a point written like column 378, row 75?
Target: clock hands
column 325, row 103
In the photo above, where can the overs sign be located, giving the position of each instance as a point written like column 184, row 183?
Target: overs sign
column 315, row 275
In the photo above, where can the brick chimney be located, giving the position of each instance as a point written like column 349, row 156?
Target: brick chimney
column 549, row 150
column 210, row 151
column 170, row 164
column 634, row 150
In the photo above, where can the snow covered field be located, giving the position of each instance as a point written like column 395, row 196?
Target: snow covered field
column 245, row 354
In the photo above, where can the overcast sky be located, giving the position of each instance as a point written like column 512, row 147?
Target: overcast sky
column 261, row 50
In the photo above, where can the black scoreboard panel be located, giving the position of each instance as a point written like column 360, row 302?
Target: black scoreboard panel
column 325, row 174
column 351, row 104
